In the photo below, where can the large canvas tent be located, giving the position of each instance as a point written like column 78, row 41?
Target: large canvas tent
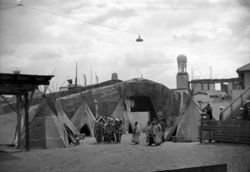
column 149, row 98
column 188, row 126
column 83, row 119
column 46, row 130
column 8, row 126
column 64, row 118
column 49, row 129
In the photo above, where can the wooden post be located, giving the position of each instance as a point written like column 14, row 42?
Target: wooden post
column 27, row 134
column 241, row 100
column 96, row 109
column 231, row 108
column 19, row 120
column 201, row 128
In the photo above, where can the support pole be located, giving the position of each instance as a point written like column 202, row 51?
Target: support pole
column 19, row 120
column 96, row 109
column 27, row 134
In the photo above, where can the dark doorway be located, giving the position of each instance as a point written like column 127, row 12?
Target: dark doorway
column 143, row 104
column 130, row 130
column 85, row 130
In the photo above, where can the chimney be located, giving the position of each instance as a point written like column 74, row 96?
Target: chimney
column 114, row 76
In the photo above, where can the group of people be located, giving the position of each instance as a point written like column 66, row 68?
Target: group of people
column 108, row 129
column 154, row 133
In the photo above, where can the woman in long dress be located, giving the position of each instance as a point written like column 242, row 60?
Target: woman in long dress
column 136, row 134
column 158, row 135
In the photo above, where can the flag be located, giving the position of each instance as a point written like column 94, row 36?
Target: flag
column 96, row 77
column 85, row 79
column 69, row 81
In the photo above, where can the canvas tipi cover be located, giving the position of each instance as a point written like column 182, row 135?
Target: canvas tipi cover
column 120, row 112
column 188, row 126
column 126, row 115
column 83, row 116
column 64, row 118
column 8, row 126
column 46, row 130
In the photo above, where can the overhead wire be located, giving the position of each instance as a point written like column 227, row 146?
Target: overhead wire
column 5, row 8
column 74, row 19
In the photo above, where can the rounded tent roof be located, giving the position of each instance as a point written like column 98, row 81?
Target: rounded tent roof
column 164, row 100
column 182, row 58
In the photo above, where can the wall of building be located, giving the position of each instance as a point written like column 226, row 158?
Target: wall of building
column 209, row 95
column 236, row 93
column 182, row 80
column 247, row 79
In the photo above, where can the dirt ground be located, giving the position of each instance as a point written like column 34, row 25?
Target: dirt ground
column 90, row 156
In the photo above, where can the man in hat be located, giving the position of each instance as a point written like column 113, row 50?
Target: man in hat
column 221, row 114
column 209, row 111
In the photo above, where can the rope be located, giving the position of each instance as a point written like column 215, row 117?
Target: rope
column 5, row 8
column 71, row 18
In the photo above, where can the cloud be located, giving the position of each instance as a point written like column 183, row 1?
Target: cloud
column 210, row 32
column 46, row 54
column 113, row 13
column 192, row 38
column 244, row 3
column 145, row 59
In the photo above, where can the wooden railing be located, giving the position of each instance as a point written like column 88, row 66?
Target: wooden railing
column 235, row 105
column 234, row 131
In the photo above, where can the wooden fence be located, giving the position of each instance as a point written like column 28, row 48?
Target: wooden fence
column 235, row 131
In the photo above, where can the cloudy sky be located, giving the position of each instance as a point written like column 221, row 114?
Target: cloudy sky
column 213, row 34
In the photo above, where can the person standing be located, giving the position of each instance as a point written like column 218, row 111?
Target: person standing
column 150, row 134
column 136, row 134
column 163, row 130
column 158, row 134
column 154, row 130
column 209, row 111
column 221, row 114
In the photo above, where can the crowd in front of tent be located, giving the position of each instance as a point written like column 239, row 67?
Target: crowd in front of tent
column 108, row 129
column 154, row 131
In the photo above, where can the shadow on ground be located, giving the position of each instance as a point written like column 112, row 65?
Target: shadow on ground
column 4, row 156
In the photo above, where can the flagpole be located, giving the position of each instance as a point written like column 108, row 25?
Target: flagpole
column 91, row 74
column 76, row 76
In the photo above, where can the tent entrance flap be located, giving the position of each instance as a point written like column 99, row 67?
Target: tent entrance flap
column 85, row 130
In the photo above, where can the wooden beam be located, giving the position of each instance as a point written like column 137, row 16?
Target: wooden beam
column 27, row 134
column 31, row 97
column 19, row 120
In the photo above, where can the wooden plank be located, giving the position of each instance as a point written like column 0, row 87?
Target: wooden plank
column 234, row 125
column 245, row 134
column 225, row 128
column 232, row 141
column 209, row 168
column 230, row 136
column 211, row 122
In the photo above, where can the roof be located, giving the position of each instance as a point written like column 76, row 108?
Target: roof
column 244, row 68
column 210, row 81
column 20, row 83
